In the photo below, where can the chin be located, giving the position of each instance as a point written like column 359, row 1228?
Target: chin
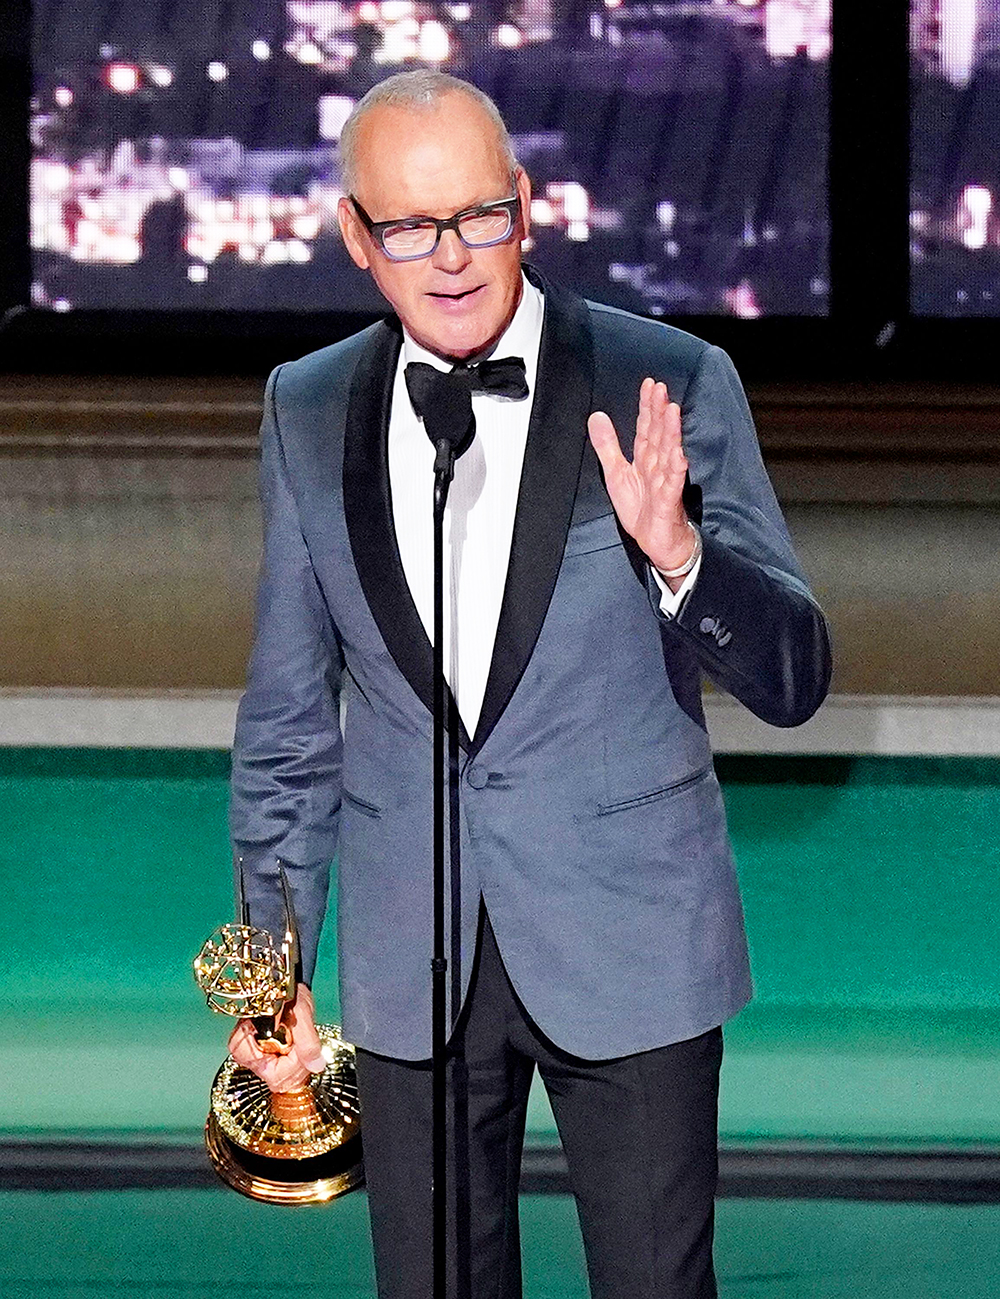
column 467, row 338
column 461, row 348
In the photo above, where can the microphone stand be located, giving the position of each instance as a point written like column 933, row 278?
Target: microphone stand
column 451, row 428
column 444, row 468
column 450, row 425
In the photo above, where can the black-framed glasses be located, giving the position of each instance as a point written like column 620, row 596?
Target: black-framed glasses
column 408, row 239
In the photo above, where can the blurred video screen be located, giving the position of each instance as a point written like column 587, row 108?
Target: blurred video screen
column 955, row 157
column 185, row 152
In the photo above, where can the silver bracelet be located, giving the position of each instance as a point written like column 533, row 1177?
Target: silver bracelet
column 688, row 564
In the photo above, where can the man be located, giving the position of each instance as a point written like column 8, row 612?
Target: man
column 600, row 933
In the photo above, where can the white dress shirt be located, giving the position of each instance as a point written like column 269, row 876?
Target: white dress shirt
column 479, row 518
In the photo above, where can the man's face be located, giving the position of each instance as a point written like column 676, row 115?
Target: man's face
column 438, row 161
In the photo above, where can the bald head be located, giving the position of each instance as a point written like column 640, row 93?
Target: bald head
column 419, row 92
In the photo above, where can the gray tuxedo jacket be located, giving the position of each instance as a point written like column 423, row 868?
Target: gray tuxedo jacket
column 590, row 817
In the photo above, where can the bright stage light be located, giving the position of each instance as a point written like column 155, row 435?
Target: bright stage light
column 508, row 37
column 975, row 207
column 542, row 212
column 122, row 78
column 434, row 44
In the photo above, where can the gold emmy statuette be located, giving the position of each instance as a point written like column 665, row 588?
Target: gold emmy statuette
column 294, row 1147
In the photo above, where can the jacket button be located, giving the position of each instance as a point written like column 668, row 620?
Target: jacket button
column 477, row 777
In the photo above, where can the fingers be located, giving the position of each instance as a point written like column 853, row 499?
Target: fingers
column 282, row 1072
column 604, row 440
column 305, row 1039
column 670, row 450
column 651, row 485
column 243, row 1045
column 643, row 423
column 658, row 449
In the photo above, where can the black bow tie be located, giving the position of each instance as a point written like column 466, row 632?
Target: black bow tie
column 503, row 378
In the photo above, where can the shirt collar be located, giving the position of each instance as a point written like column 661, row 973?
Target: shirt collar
column 522, row 337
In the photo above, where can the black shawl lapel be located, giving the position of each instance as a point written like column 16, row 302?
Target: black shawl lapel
column 368, row 512
column 557, row 434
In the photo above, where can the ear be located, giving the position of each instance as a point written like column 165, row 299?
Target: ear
column 524, row 194
column 353, row 233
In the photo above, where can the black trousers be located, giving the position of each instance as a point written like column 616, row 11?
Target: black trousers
column 639, row 1133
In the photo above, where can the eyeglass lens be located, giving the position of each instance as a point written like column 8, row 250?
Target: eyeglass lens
column 417, row 238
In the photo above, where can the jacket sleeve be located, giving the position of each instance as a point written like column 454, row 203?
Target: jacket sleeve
column 750, row 618
column 287, row 751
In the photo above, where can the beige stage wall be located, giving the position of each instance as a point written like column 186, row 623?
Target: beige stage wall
column 129, row 531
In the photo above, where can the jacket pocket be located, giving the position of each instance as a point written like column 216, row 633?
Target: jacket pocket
column 654, row 795
column 367, row 809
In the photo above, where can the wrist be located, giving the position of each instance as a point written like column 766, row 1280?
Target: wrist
column 674, row 566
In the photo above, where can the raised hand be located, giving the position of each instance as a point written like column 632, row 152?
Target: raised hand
column 283, row 1073
column 647, row 493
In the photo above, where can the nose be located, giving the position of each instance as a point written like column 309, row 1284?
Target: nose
column 451, row 254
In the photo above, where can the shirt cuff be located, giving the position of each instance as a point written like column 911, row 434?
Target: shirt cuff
column 671, row 601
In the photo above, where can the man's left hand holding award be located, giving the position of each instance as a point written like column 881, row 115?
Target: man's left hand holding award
column 284, row 1070
column 283, row 1123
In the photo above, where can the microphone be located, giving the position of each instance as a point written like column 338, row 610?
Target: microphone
column 448, row 419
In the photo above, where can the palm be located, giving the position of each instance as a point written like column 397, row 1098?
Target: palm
column 647, row 493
